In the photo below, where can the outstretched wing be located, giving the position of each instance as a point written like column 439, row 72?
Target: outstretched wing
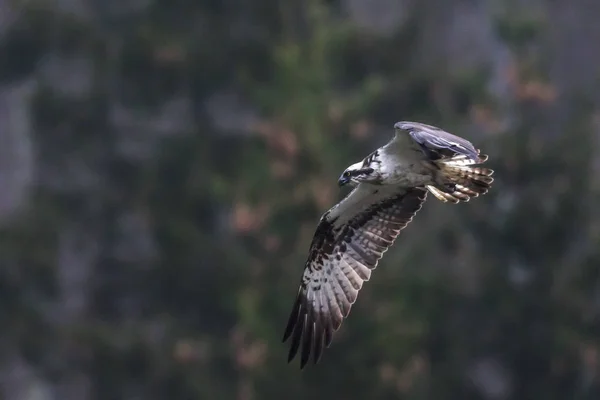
column 437, row 142
column 348, row 243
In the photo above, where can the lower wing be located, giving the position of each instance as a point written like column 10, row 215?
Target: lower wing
column 348, row 244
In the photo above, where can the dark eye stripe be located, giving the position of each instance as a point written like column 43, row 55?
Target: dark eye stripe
column 363, row 171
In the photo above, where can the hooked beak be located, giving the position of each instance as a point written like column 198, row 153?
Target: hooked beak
column 343, row 180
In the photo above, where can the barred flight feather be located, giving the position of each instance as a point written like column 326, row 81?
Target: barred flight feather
column 346, row 247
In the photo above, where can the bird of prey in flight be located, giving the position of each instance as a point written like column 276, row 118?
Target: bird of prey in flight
column 389, row 187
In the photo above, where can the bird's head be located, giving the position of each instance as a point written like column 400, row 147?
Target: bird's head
column 355, row 174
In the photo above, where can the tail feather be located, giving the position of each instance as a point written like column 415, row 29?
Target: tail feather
column 464, row 160
column 462, row 179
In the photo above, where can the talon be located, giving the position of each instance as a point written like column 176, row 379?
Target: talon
column 451, row 187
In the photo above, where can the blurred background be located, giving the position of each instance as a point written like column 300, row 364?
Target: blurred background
column 164, row 163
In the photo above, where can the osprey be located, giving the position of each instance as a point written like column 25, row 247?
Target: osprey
column 390, row 186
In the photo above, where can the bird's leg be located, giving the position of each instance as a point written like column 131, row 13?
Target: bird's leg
column 443, row 183
column 450, row 187
column 438, row 178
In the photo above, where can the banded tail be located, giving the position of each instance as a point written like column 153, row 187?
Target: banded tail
column 463, row 178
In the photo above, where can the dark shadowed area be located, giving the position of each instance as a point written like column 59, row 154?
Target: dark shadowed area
column 164, row 164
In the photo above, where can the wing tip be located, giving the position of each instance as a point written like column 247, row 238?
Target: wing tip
column 308, row 337
column 457, row 144
column 293, row 318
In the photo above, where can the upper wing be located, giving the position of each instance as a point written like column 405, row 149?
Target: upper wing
column 437, row 141
column 348, row 243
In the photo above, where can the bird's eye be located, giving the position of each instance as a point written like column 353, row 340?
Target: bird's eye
column 347, row 173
